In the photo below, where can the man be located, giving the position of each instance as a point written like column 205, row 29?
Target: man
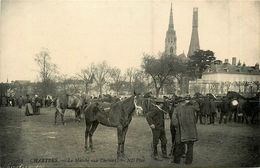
column 224, row 110
column 205, row 110
column 184, row 121
column 212, row 110
column 20, row 102
column 155, row 119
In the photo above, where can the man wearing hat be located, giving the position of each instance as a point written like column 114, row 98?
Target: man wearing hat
column 184, row 121
column 155, row 119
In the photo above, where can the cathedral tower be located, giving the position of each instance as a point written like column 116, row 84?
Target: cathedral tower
column 170, row 39
column 194, row 42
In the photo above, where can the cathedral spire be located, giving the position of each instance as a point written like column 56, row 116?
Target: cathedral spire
column 194, row 42
column 171, row 26
column 170, row 39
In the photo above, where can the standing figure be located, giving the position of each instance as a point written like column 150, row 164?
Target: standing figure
column 212, row 111
column 37, row 104
column 28, row 106
column 20, row 102
column 155, row 119
column 184, row 121
column 224, row 110
column 205, row 110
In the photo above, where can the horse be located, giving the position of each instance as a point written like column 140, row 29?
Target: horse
column 67, row 101
column 241, row 108
column 119, row 116
column 108, row 98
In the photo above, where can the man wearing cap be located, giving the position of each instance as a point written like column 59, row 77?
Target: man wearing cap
column 155, row 119
column 184, row 121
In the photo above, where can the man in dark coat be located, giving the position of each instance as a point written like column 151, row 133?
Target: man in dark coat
column 205, row 109
column 155, row 119
column 212, row 111
column 224, row 110
column 184, row 121
column 20, row 102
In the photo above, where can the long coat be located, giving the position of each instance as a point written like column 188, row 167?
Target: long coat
column 205, row 107
column 155, row 116
column 184, row 121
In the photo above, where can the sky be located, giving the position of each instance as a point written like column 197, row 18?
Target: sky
column 80, row 32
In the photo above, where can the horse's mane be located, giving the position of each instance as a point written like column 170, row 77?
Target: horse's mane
column 124, row 103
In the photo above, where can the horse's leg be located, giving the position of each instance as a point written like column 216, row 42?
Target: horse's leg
column 88, row 126
column 62, row 116
column 119, row 140
column 91, row 132
column 123, row 141
column 55, row 118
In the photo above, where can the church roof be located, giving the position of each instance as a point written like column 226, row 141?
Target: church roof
column 232, row 69
column 183, row 57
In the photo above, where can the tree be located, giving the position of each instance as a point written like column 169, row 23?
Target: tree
column 199, row 62
column 227, row 84
column 130, row 74
column 87, row 75
column 162, row 68
column 117, row 80
column 257, row 83
column 101, row 72
column 138, row 83
column 136, row 80
column 47, row 72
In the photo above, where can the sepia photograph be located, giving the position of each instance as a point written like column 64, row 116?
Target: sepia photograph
column 129, row 83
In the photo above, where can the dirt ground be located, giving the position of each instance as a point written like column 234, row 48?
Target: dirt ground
column 35, row 141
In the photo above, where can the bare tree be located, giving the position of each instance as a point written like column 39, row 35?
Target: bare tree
column 117, row 78
column 227, row 85
column 257, row 83
column 87, row 75
column 238, row 84
column 101, row 72
column 47, row 71
column 130, row 73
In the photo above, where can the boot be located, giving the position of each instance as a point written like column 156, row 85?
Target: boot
column 155, row 153
column 164, row 152
column 172, row 150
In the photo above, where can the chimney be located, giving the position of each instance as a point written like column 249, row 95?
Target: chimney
column 234, row 60
column 226, row 61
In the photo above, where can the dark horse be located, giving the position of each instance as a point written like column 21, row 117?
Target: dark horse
column 119, row 115
column 64, row 102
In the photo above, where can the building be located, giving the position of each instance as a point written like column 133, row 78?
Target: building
column 219, row 78
column 171, row 38
column 171, row 47
column 194, row 42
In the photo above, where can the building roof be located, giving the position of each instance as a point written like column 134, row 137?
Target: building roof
column 232, row 69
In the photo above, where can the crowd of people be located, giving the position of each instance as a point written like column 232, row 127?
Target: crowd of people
column 185, row 113
column 32, row 103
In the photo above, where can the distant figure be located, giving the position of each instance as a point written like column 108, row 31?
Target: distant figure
column 224, row 110
column 212, row 111
column 37, row 105
column 205, row 110
column 28, row 106
column 184, row 122
column 20, row 102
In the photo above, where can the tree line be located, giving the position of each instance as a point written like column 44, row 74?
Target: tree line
column 156, row 72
